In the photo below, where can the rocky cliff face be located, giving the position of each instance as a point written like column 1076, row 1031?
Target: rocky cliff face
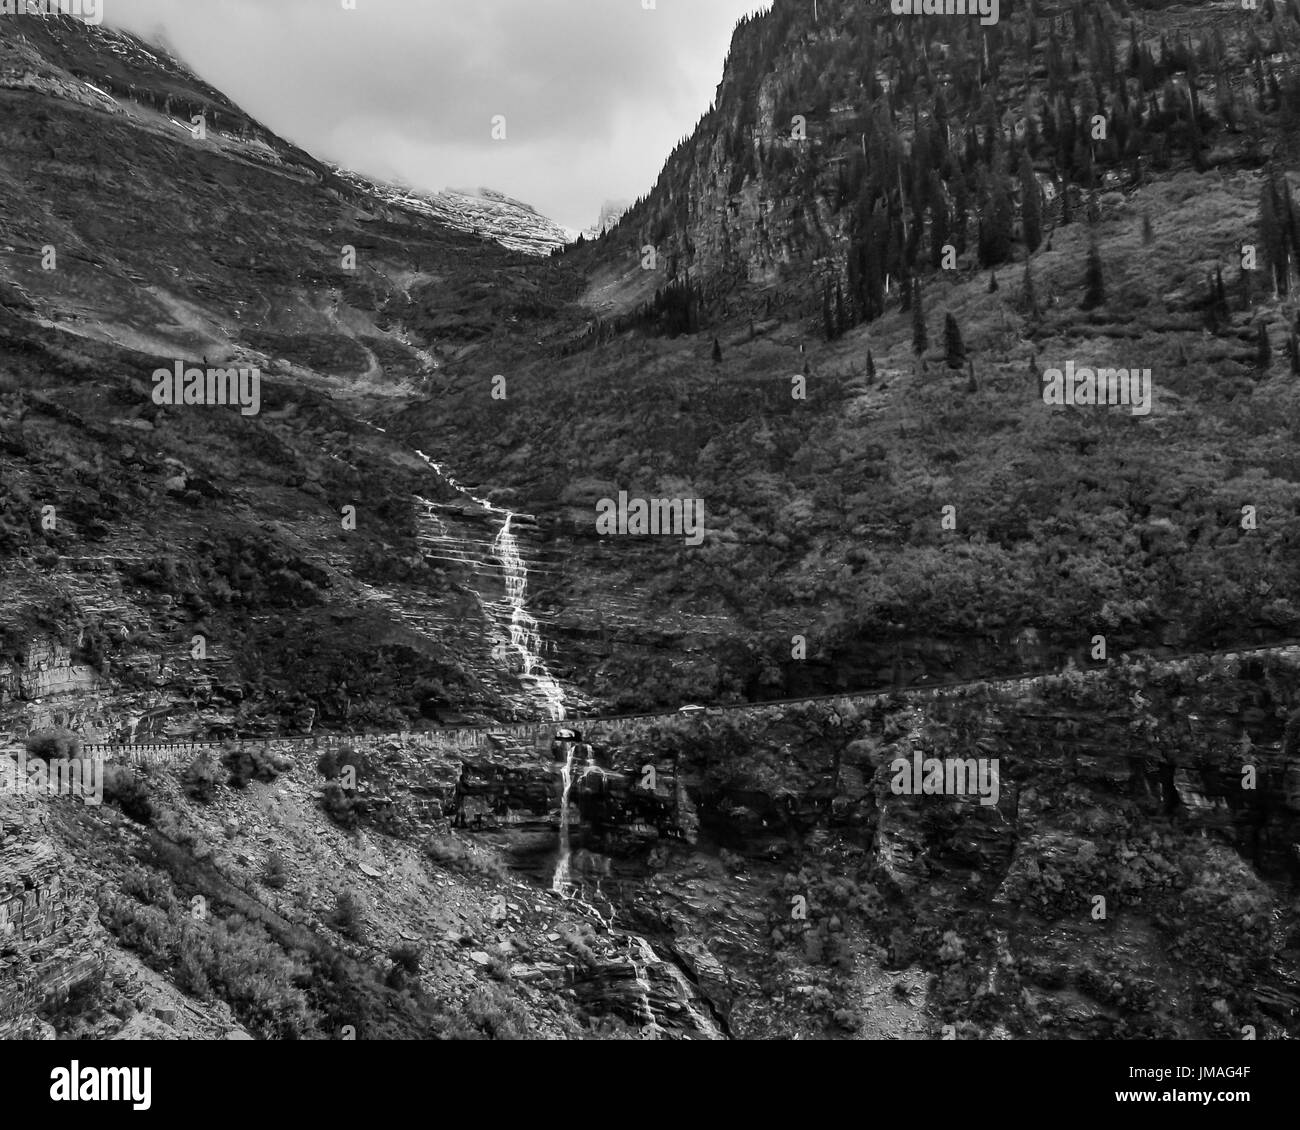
column 1132, row 878
column 764, row 203
column 763, row 874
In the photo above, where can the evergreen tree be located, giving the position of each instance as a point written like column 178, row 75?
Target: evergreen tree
column 1212, row 309
column 953, row 347
column 939, row 224
column 996, row 226
column 993, row 281
column 1275, row 217
column 1263, row 350
column 1030, row 297
column 1094, row 285
column 871, row 367
column 971, row 385
column 961, row 210
column 920, row 335
column 717, row 352
column 1217, row 303
column 1031, row 204
column 1148, row 232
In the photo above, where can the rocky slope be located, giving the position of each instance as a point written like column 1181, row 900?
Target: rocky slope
column 177, row 571
column 752, row 875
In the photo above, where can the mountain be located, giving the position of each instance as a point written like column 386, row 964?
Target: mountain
column 480, row 212
column 838, row 134
column 611, row 212
column 281, row 623
column 826, row 502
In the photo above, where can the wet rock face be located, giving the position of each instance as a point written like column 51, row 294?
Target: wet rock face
column 1147, row 791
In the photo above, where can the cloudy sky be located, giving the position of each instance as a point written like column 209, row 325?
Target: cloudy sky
column 595, row 92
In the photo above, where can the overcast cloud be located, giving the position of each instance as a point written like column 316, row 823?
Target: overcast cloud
column 595, row 92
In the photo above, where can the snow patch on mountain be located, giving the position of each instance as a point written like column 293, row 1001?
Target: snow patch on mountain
column 478, row 211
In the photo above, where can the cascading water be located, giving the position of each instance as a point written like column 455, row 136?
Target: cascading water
column 525, row 637
column 561, row 881
column 526, row 640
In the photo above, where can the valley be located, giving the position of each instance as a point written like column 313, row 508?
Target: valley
column 493, row 486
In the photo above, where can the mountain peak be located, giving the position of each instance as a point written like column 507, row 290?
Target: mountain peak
column 478, row 211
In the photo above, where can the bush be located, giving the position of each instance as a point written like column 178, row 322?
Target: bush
column 332, row 763
column 245, row 764
column 577, row 941
column 273, row 873
column 489, row 1012
column 407, row 956
column 53, row 745
column 348, row 916
column 200, row 779
column 123, row 788
column 339, row 807
column 149, row 930
column 406, row 964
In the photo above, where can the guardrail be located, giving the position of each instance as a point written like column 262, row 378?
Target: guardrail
column 541, row 734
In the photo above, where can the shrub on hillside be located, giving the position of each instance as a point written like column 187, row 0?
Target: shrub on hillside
column 332, row 763
column 200, row 778
column 53, row 745
column 247, row 763
column 339, row 807
column 348, row 916
column 125, row 789
column 407, row 956
column 406, row 965
column 273, row 873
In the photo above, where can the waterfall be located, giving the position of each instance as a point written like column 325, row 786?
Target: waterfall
column 525, row 637
column 560, row 882
column 526, row 640
column 636, row 945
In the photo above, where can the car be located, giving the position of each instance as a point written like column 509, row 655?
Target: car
column 691, row 709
